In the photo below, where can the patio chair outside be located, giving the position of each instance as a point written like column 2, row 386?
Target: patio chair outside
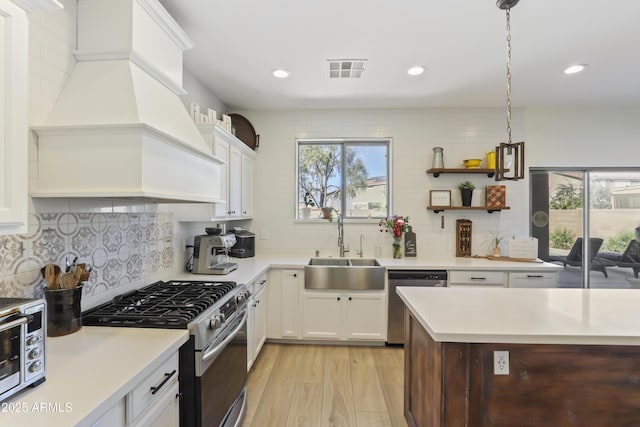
column 631, row 257
column 574, row 257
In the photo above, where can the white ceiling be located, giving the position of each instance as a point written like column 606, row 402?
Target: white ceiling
column 462, row 45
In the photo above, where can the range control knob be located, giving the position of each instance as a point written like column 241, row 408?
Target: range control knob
column 35, row 353
column 35, row 366
column 216, row 321
column 240, row 298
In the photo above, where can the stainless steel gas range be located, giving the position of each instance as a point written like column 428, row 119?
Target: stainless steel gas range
column 213, row 363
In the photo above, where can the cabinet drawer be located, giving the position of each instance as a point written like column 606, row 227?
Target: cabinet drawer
column 533, row 280
column 259, row 283
column 478, row 278
column 152, row 388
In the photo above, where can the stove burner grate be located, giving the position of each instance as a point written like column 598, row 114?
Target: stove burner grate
column 170, row 304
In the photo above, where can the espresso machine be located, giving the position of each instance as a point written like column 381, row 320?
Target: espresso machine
column 211, row 254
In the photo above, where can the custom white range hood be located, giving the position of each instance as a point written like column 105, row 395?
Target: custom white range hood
column 119, row 128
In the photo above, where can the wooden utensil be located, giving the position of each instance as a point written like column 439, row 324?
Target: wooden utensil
column 67, row 280
column 50, row 273
column 77, row 275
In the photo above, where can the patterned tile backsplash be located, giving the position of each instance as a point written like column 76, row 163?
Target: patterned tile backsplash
column 122, row 248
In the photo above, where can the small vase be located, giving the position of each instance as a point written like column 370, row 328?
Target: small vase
column 397, row 247
column 496, row 251
column 306, row 213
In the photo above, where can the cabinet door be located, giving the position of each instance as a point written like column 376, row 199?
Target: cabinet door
column 13, row 118
column 533, row 280
column 251, row 316
column 322, row 314
column 165, row 412
column 114, row 417
column 234, row 199
column 260, row 322
column 247, row 186
column 364, row 316
column 221, row 150
column 289, row 298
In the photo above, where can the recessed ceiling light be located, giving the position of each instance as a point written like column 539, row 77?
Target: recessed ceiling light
column 281, row 74
column 415, row 71
column 574, row 69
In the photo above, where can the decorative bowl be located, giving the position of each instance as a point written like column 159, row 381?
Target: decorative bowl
column 472, row 163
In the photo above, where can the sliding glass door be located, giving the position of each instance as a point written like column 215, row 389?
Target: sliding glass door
column 588, row 221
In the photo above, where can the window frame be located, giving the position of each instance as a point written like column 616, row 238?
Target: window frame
column 344, row 142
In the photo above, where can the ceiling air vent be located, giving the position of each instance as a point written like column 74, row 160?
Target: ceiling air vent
column 346, row 68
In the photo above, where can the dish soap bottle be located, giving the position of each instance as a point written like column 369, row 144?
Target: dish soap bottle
column 410, row 243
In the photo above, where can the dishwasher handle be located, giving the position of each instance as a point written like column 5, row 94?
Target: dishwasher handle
column 418, row 275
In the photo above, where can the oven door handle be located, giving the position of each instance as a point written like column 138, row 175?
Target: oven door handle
column 218, row 348
column 12, row 324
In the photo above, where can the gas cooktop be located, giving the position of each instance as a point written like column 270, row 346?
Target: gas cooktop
column 171, row 304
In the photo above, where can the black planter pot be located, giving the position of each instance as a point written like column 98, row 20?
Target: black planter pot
column 466, row 197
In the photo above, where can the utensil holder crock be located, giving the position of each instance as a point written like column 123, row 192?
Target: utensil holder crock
column 64, row 315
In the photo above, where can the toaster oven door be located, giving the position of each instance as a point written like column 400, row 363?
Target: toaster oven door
column 10, row 357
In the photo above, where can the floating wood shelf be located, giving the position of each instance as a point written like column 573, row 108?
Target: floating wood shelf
column 437, row 171
column 491, row 209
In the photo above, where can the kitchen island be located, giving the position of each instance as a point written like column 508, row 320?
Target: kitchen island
column 573, row 357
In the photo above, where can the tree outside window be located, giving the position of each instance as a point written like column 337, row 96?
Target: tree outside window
column 350, row 176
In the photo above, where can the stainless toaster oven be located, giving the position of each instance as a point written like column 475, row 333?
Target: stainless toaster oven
column 23, row 335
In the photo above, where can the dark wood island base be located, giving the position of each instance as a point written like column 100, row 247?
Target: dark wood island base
column 451, row 384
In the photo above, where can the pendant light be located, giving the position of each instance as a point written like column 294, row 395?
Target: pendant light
column 509, row 155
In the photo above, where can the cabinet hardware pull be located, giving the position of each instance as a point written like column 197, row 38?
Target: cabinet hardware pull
column 338, row 298
column 349, row 298
column 295, row 275
column 478, row 278
column 179, row 396
column 538, row 276
column 262, row 282
column 167, row 375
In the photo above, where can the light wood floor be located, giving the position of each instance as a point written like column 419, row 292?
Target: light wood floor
column 321, row 385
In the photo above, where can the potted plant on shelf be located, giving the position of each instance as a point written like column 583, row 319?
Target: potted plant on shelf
column 496, row 238
column 466, row 192
column 308, row 204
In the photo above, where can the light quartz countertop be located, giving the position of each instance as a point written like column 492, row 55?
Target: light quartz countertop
column 251, row 268
column 88, row 372
column 527, row 316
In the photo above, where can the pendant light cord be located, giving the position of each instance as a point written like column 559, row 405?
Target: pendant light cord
column 508, row 10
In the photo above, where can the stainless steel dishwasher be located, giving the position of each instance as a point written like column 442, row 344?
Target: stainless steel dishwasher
column 395, row 321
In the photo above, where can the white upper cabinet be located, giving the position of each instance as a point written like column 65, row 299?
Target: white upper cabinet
column 236, row 179
column 14, row 50
column 13, row 118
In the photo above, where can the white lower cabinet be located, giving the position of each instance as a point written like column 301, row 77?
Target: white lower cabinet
column 114, row 417
column 533, row 279
column 321, row 314
column 165, row 412
column 477, row 278
column 257, row 321
column 152, row 402
column 343, row 315
column 283, row 294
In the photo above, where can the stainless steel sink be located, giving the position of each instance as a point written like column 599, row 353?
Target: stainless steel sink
column 329, row 261
column 364, row 262
column 344, row 274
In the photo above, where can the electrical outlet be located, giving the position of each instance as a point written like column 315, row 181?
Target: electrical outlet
column 501, row 363
column 264, row 234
